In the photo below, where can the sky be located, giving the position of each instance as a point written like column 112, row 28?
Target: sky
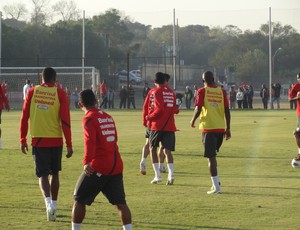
column 245, row 14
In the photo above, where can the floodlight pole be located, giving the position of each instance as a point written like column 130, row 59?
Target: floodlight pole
column 270, row 57
column 83, row 51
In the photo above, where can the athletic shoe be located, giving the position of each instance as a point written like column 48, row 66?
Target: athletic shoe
column 51, row 213
column 170, row 181
column 156, row 180
column 214, row 191
column 163, row 169
column 143, row 168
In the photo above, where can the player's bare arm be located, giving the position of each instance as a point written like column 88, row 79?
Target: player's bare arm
column 197, row 111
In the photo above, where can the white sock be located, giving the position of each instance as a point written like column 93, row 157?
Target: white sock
column 143, row 160
column 215, row 181
column 298, row 149
column 127, row 227
column 156, row 170
column 47, row 201
column 76, row 226
column 53, row 203
column 171, row 170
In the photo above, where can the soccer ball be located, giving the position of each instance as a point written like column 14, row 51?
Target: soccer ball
column 295, row 163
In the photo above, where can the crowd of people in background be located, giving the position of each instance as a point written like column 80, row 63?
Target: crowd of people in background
column 239, row 96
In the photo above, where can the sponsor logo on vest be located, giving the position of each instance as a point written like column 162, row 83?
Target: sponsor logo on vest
column 43, row 107
column 44, row 102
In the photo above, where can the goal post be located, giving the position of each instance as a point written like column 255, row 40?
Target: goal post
column 71, row 77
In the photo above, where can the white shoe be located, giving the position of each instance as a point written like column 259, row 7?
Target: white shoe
column 170, row 181
column 214, row 191
column 156, row 180
column 51, row 213
column 143, row 168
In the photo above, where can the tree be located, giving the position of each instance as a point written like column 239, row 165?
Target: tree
column 15, row 11
column 40, row 15
column 67, row 10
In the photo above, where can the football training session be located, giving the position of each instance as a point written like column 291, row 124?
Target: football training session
column 259, row 184
column 143, row 115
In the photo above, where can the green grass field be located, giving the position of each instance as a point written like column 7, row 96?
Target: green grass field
column 260, row 188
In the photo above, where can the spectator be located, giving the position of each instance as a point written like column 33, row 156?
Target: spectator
column 239, row 97
column 232, row 97
column 195, row 92
column 146, row 90
column 131, row 99
column 246, row 95
column 123, row 97
column 250, row 96
column 264, row 94
column 68, row 93
column 75, row 98
column 276, row 89
column 111, row 98
column 26, row 87
column 179, row 97
column 103, row 94
column 188, row 96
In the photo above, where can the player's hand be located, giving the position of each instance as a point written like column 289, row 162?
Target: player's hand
column 298, row 95
column 88, row 169
column 69, row 152
column 192, row 124
column 7, row 108
column 24, row 148
column 227, row 134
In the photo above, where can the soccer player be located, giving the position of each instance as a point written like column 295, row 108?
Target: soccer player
column 147, row 106
column 294, row 95
column 3, row 100
column 212, row 106
column 48, row 110
column 162, row 126
column 103, row 166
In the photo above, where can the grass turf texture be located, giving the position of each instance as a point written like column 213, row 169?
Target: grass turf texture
column 260, row 188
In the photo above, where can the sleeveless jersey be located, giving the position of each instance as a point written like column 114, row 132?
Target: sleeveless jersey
column 212, row 113
column 44, row 113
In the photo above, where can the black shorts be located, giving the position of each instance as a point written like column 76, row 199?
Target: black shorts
column 88, row 187
column 212, row 142
column 167, row 139
column 47, row 160
column 147, row 134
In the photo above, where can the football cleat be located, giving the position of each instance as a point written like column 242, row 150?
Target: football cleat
column 170, row 181
column 156, row 180
column 143, row 168
column 214, row 191
column 51, row 213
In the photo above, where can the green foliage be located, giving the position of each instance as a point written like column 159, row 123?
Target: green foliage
column 260, row 188
column 110, row 36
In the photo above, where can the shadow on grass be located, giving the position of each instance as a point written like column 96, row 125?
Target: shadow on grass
column 169, row 226
column 253, row 157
